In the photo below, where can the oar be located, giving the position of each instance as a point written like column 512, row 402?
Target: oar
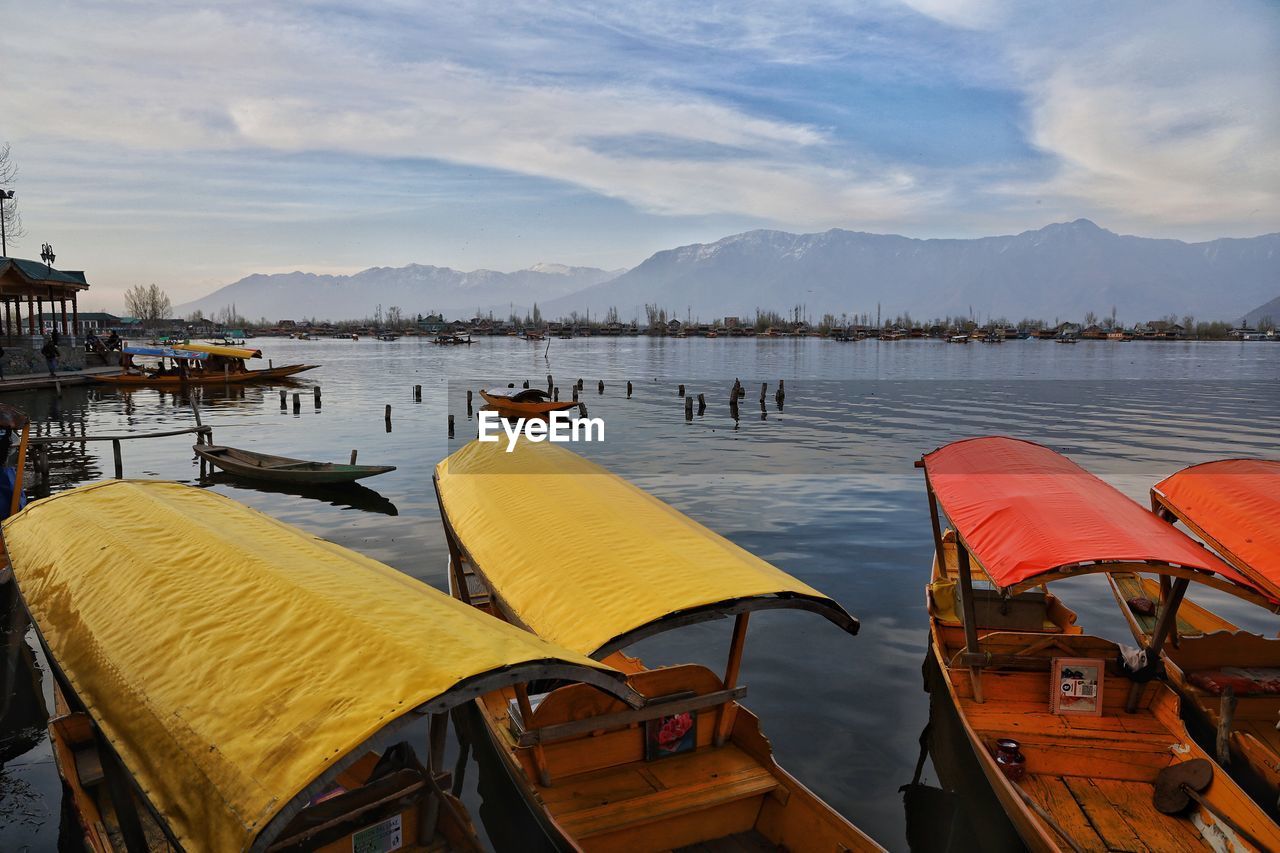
column 1178, row 784
column 1047, row 818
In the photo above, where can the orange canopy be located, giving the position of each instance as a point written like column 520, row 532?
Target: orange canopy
column 1023, row 511
column 1234, row 506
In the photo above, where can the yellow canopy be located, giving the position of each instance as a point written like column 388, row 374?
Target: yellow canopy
column 587, row 560
column 225, row 352
column 233, row 661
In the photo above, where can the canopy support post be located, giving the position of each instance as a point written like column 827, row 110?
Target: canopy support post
column 437, row 730
column 728, row 711
column 933, row 517
column 1168, row 621
column 970, row 617
column 17, row 474
column 526, row 717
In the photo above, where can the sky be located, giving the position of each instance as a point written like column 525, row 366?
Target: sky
column 190, row 144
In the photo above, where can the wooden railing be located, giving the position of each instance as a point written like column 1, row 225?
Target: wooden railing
column 40, row 449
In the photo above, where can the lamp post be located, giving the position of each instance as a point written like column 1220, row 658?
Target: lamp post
column 4, row 247
column 46, row 255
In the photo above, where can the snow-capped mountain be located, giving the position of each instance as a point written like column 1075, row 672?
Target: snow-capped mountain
column 1062, row 270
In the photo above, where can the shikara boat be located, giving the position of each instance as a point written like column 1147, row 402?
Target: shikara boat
column 195, row 364
column 227, row 682
column 1081, row 749
column 526, row 403
column 451, row 340
column 281, row 469
column 559, row 546
column 1228, row 678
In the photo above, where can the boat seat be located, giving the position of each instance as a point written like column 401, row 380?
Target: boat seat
column 88, row 765
column 629, row 796
column 1243, row 681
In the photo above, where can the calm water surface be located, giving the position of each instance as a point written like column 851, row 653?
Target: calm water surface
column 823, row 487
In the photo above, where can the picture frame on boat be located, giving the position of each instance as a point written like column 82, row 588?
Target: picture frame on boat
column 1076, row 686
column 670, row 735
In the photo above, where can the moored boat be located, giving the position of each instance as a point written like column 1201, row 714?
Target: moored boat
column 1078, row 747
column 194, row 364
column 1229, row 678
column 224, row 681
column 282, row 469
column 549, row 541
column 526, row 403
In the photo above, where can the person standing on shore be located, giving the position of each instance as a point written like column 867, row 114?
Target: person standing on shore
column 50, row 353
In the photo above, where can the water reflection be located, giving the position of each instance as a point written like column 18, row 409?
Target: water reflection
column 346, row 496
column 963, row 812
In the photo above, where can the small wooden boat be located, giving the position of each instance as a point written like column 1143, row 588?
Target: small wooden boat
column 283, row 727
column 282, row 469
column 691, row 768
column 1229, row 678
column 958, row 339
column 181, row 365
column 388, row 336
column 451, row 340
column 526, row 403
column 1088, row 771
column 534, row 337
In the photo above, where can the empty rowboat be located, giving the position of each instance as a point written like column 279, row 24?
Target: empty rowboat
column 528, row 403
column 282, row 469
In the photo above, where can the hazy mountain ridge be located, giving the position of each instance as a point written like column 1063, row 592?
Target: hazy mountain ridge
column 416, row 289
column 1062, row 270
column 1269, row 312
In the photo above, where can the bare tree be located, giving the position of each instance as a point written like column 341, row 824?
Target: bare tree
column 13, row 230
column 148, row 302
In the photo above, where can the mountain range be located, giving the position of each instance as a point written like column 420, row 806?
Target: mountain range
column 1059, row 271
column 415, row 289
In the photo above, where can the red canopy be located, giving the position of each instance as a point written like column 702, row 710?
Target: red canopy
column 1023, row 510
column 1234, row 505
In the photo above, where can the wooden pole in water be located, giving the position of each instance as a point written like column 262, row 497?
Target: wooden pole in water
column 386, row 413
column 316, row 394
column 353, row 457
column 450, row 426
column 417, row 393
column 575, row 393
column 702, row 404
column 582, row 409
column 297, row 402
column 115, row 454
column 628, row 389
column 468, row 401
column 555, row 395
column 284, row 396
column 601, row 390
column 688, row 408
column 580, row 386
column 764, row 388
column 681, row 390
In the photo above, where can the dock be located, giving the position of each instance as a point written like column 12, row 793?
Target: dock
column 33, row 381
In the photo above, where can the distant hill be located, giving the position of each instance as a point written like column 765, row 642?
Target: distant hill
column 1062, row 270
column 416, row 289
column 1269, row 312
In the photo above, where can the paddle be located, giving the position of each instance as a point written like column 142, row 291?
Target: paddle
column 1178, row 784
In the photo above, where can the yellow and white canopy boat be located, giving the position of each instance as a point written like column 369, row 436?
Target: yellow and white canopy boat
column 225, row 682
column 548, row 541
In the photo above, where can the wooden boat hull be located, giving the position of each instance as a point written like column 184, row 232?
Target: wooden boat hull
column 1206, row 640
column 282, row 469
column 1093, row 775
column 604, row 795
column 512, row 409
column 139, row 380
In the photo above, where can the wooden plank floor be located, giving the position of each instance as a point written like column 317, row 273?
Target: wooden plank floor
column 1112, row 815
column 741, row 842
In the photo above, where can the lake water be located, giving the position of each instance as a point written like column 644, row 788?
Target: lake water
column 823, row 487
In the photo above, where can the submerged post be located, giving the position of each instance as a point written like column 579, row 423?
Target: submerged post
column 417, row 393
column 284, row 397
column 450, row 426
column 297, row 403
column 601, row 389
column 688, row 408
column 353, row 457
column 681, row 390
column 116, row 456
column 316, row 394
column 628, row 389
column 702, row 403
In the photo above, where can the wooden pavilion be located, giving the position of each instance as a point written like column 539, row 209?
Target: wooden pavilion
column 30, row 289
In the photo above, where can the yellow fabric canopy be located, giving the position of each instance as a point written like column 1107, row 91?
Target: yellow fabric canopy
column 231, row 660
column 584, row 557
column 225, row 352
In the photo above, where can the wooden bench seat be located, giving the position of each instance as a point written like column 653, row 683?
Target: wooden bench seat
column 605, row 801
